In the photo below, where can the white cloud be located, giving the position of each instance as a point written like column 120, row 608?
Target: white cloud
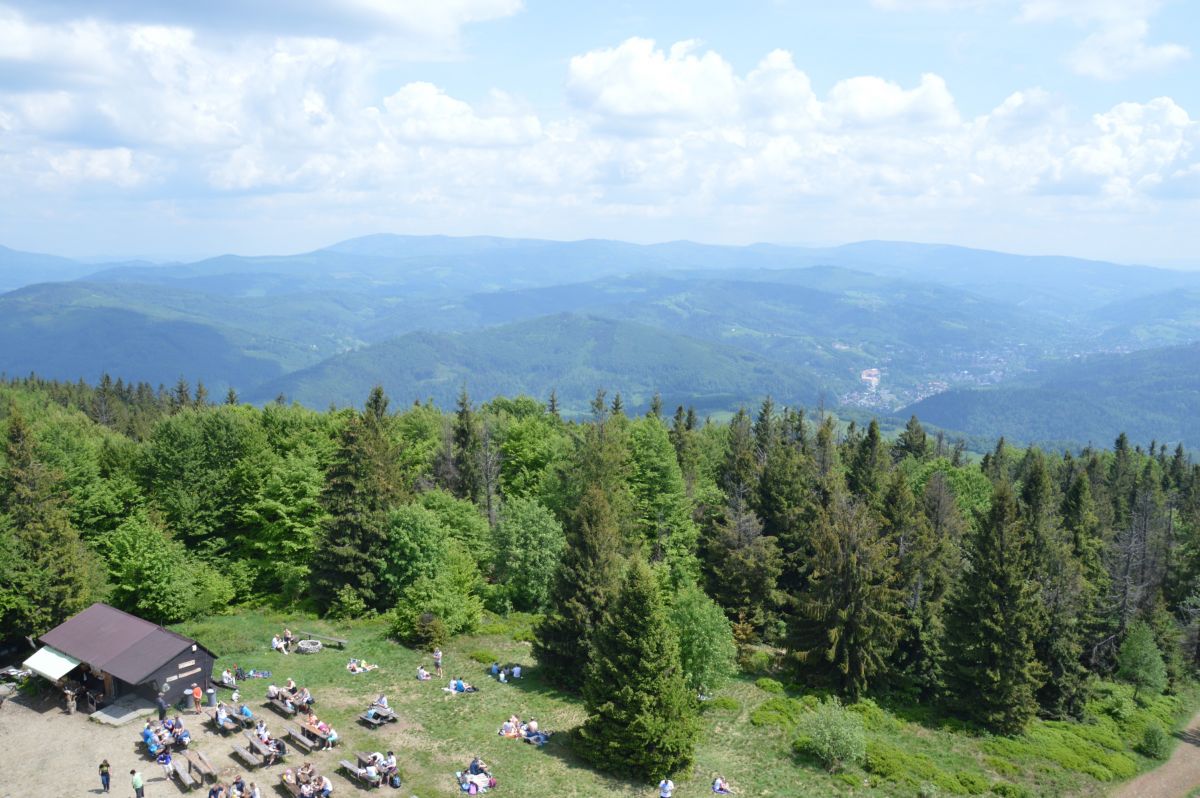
column 1118, row 45
column 298, row 130
column 639, row 83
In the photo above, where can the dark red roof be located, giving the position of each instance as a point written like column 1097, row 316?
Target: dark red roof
column 116, row 642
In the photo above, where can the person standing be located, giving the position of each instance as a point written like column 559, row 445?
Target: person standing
column 139, row 787
column 161, row 702
column 197, row 695
column 666, row 788
column 104, row 775
column 437, row 661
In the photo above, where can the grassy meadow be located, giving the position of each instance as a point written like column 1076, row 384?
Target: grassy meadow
column 750, row 725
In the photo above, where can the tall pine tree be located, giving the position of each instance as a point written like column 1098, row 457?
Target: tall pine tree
column 584, row 585
column 642, row 718
column 992, row 671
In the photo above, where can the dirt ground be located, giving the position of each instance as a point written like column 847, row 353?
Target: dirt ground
column 45, row 753
column 1177, row 778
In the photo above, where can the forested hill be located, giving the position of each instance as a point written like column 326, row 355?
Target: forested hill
column 1152, row 394
column 172, row 506
column 567, row 353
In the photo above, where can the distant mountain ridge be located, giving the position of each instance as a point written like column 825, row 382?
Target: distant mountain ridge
column 716, row 326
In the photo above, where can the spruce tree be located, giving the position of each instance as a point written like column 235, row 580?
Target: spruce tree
column 869, row 465
column 992, row 672
column 1139, row 661
column 642, row 718
column 361, row 485
column 466, row 450
column 47, row 572
column 850, row 610
column 584, row 584
column 912, row 442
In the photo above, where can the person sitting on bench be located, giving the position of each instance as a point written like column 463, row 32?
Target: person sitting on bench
column 222, row 715
column 227, row 678
column 272, row 692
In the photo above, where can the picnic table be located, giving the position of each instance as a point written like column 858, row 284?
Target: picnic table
column 183, row 773
column 298, row 739
column 374, row 721
column 313, row 732
column 281, row 706
column 226, row 727
column 261, row 748
column 253, row 760
column 355, row 774
column 199, row 762
column 333, row 641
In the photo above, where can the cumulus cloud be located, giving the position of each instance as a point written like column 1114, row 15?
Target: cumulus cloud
column 278, row 128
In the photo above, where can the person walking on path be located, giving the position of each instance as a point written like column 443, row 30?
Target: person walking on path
column 104, row 775
column 139, row 787
column 437, row 661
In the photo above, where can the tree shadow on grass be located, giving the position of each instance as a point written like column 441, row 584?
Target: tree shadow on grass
column 560, row 747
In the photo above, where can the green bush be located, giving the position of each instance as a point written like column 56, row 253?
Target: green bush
column 347, row 605
column 973, row 783
column 1002, row 766
column 769, row 685
column 756, row 662
column 722, row 703
column 834, row 736
column 1155, row 743
column 874, row 718
column 780, row 711
column 927, row 790
column 484, row 656
column 1007, row 790
column 426, row 632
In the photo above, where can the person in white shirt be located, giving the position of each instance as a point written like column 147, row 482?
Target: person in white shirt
column 272, row 692
column 516, row 671
column 666, row 788
column 381, row 702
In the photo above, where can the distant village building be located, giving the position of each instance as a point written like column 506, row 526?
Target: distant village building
column 111, row 653
column 871, row 378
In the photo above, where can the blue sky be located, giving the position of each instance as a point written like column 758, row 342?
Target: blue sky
column 176, row 129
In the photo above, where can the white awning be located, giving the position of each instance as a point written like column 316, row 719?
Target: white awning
column 51, row 663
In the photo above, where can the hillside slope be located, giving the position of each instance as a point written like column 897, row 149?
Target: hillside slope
column 1152, row 394
column 572, row 354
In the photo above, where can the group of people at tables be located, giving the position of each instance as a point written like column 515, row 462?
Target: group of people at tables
column 243, row 713
column 165, row 734
column 301, row 700
column 514, row 729
column 378, row 768
column 308, row 783
column 476, row 778
column 238, row 788
column 295, row 698
column 274, row 746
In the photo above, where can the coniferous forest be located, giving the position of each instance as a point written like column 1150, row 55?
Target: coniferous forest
column 660, row 554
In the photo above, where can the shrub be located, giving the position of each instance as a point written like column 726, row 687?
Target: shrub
column 1007, row 790
column 484, row 656
column 722, row 703
column 427, row 632
column 347, row 604
column 780, row 711
column 874, row 718
column 1155, row 743
column 1002, row 766
column 927, row 790
column 973, row 783
column 756, row 662
column 834, row 736
column 769, row 685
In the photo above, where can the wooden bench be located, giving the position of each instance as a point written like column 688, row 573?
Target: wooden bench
column 356, row 775
column 280, row 706
column 325, row 639
column 373, row 721
column 253, row 760
column 299, row 740
column 228, row 726
column 199, row 762
column 292, row 787
column 183, row 774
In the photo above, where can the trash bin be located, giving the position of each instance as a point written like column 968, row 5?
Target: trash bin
column 212, row 697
